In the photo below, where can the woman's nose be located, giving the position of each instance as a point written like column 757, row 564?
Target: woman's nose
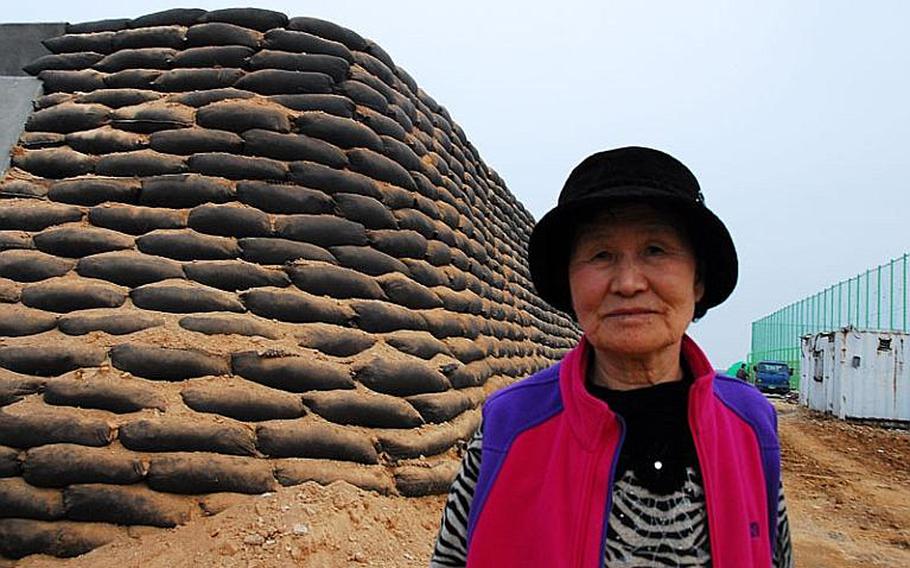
column 628, row 278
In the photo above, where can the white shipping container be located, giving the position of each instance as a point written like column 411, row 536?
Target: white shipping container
column 853, row 373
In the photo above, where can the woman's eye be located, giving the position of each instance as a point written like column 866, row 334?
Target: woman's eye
column 654, row 250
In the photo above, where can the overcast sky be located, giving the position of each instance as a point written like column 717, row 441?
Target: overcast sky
column 794, row 115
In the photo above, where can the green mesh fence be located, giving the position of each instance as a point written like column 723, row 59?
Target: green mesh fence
column 876, row 299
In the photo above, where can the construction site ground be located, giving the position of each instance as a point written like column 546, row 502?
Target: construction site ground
column 847, row 486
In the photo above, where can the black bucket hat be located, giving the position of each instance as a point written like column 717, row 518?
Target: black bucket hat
column 630, row 175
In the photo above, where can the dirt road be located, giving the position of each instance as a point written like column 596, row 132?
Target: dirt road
column 848, row 490
column 847, row 485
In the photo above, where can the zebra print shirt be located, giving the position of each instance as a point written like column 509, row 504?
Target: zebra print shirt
column 645, row 529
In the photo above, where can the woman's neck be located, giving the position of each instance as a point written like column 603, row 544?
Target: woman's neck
column 627, row 373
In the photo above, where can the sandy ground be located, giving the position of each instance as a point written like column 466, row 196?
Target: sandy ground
column 848, row 489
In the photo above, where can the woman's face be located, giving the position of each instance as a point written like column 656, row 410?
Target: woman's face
column 634, row 282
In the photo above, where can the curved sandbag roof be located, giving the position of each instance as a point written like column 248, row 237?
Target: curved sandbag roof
column 238, row 251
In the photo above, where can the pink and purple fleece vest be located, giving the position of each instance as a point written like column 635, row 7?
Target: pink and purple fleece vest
column 550, row 448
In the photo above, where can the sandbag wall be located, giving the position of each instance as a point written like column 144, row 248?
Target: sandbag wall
column 239, row 251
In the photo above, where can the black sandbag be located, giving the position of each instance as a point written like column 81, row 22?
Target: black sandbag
column 439, row 253
column 132, row 79
column 206, row 473
column 402, row 376
column 188, row 245
column 117, row 322
column 462, row 302
column 51, row 99
column 416, row 221
column 172, row 36
column 443, row 323
column 76, row 242
column 368, row 211
column 334, row 281
column 362, row 73
column 419, row 481
column 219, row 33
column 203, row 98
column 162, row 363
column 281, row 251
column 291, row 472
column 360, row 409
column 302, row 42
column 403, row 155
column 367, row 260
column 129, row 269
column 442, row 406
column 246, row 402
column 374, row 60
column 31, row 265
column 470, row 375
column 113, row 395
column 381, row 124
column 143, row 58
column 240, row 115
column 68, row 295
column 228, row 324
column 72, row 81
column 283, row 198
column 255, row 18
column 280, row 81
column 237, row 167
column 185, row 190
column 186, row 141
column 68, row 117
column 292, row 147
column 379, row 167
column 295, row 307
column 375, row 316
column 234, row 275
column 221, row 437
column 22, row 189
column 331, row 104
column 50, row 360
column 328, row 30
column 153, row 116
column 32, row 140
column 12, row 240
column 417, row 343
column 125, row 505
column 19, row 499
column 54, row 163
column 306, row 439
column 140, row 163
column 99, row 42
column 171, row 17
column 17, row 321
column 93, row 191
column 10, row 466
column 293, row 373
column 425, row 273
column 340, row 131
column 334, row 340
column 334, row 67
column 322, row 230
column 59, row 465
column 230, row 220
column 177, row 297
column 464, row 349
column 432, row 440
column 399, row 243
column 401, row 117
column 427, row 206
column 108, row 25
column 53, row 427
column 135, row 220
column 332, row 181
column 364, row 95
column 227, row 56
column 15, row 387
column 63, row 62
column 177, row 80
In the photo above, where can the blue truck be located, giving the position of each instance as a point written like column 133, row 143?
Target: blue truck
column 772, row 376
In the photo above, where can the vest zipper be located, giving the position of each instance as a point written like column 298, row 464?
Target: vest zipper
column 609, row 508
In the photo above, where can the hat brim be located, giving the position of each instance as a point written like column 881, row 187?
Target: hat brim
column 551, row 242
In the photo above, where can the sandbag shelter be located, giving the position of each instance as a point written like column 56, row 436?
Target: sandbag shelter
column 239, row 251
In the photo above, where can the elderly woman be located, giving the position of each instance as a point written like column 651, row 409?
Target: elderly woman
column 631, row 451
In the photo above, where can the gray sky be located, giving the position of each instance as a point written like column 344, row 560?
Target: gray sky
column 794, row 115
